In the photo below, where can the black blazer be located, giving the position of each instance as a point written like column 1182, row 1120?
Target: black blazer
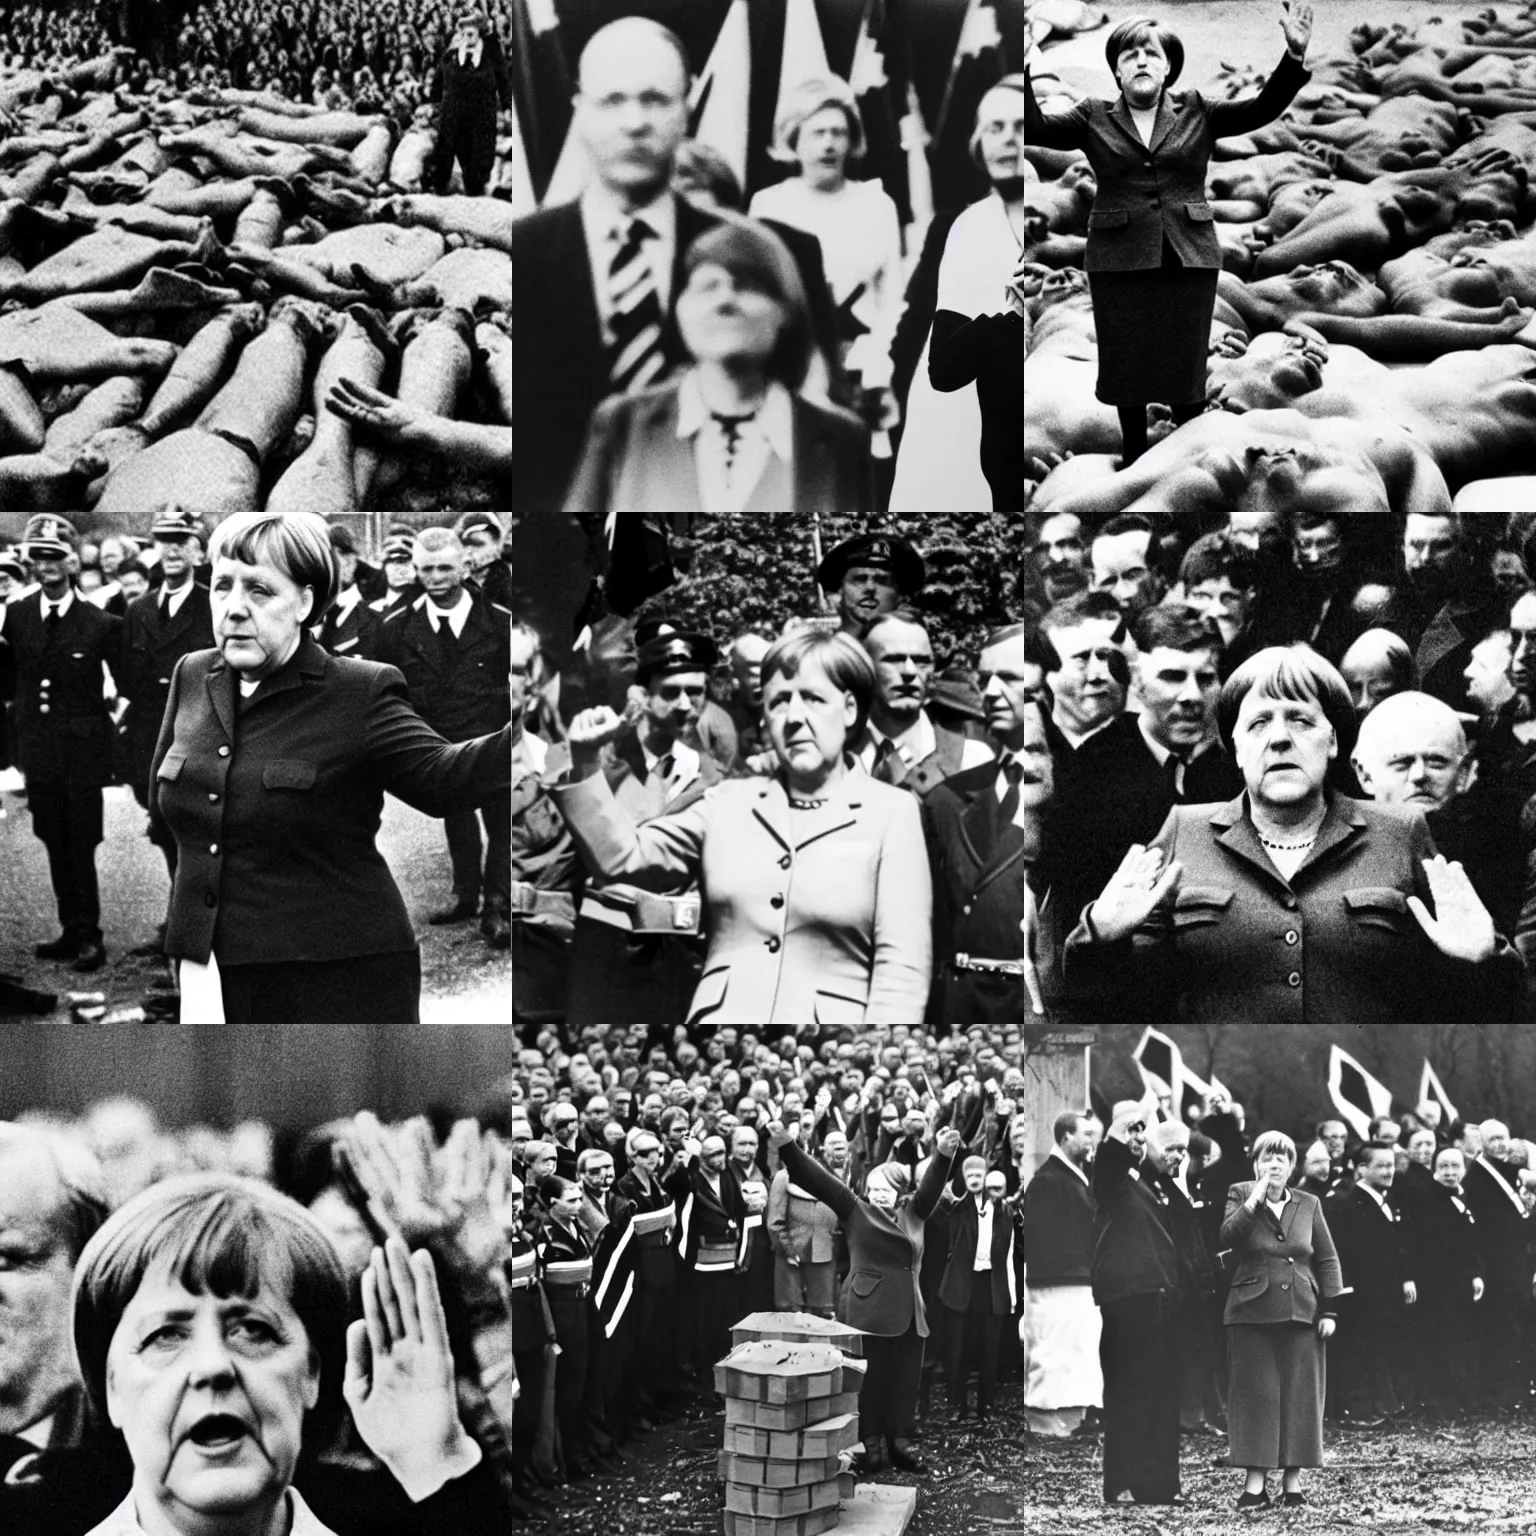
column 275, row 822
column 555, row 315
column 1148, row 193
column 1377, row 1255
column 987, row 351
column 1134, row 1253
column 1450, row 1248
column 634, row 460
column 1056, row 1213
column 1508, row 1245
column 960, row 1272
column 460, row 691
column 355, row 636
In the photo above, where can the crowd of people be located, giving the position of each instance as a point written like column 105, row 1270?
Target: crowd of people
column 1350, row 285
column 278, row 293
column 210, row 1328
column 715, row 362
column 840, row 837
column 152, row 672
column 1144, row 1279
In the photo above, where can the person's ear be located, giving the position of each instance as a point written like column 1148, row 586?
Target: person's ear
column 114, row 1406
column 1363, row 774
column 311, row 1379
column 1333, row 741
column 309, row 604
column 850, row 711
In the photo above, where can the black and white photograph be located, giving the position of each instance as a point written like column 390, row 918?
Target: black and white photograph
column 767, row 256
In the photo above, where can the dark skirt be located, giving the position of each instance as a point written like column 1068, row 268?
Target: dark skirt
column 370, row 989
column 1275, row 1384
column 1154, row 330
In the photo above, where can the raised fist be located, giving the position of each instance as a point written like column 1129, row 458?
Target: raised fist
column 949, row 1142
column 592, row 728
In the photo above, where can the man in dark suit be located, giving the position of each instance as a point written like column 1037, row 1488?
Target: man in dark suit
column 1376, row 1250
column 754, row 1254
column 350, row 627
column 979, row 1289
column 597, row 279
column 1136, row 1284
column 1493, row 1191
column 454, row 648
column 63, row 731
column 1452, row 1265
column 982, row 833
column 710, row 1215
column 158, row 630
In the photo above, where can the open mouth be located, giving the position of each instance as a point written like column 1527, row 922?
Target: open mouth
column 218, row 1432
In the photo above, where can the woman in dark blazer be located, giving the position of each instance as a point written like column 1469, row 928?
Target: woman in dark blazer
column 881, row 1297
column 270, row 773
column 731, row 434
column 1153, row 256
column 1277, row 1317
column 1292, row 903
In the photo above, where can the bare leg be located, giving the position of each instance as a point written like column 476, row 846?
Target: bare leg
column 434, row 368
column 196, row 373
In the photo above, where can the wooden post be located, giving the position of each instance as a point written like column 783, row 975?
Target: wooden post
column 1055, row 1078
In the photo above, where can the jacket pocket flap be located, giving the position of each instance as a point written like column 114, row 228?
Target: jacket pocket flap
column 1216, row 896
column 289, row 773
column 1200, row 213
column 864, row 1282
column 1249, row 1280
column 1108, row 218
column 1376, row 898
column 171, row 765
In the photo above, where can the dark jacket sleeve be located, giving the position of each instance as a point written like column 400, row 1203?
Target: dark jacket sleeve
column 926, row 1200
column 1112, row 1166
column 157, row 824
column 1326, row 1267
column 1227, row 118
column 821, row 1182
column 373, row 1504
column 415, row 764
column 592, row 484
column 1063, row 130
column 961, row 348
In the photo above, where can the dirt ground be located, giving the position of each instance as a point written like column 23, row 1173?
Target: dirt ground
column 1002, row 1481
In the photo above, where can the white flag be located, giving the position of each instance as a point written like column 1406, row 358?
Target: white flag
column 1431, row 1090
column 1358, row 1097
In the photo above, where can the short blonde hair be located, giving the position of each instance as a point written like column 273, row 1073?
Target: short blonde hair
column 1274, row 1141
column 297, row 543
column 806, row 100
column 841, row 657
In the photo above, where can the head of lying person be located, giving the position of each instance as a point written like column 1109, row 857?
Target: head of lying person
column 210, row 1320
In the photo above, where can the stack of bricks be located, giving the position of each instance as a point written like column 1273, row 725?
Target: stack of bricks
column 791, row 1385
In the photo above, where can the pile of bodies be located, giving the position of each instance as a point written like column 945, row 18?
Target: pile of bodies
column 1376, row 314
column 231, row 300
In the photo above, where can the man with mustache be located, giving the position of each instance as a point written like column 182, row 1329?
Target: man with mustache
column 1059, row 557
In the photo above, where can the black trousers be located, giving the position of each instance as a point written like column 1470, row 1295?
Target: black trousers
column 1195, row 1348
column 541, row 974
column 67, row 821
column 594, row 1398
column 974, row 1337
column 525, row 1411
column 888, row 1398
column 465, row 848
column 1139, row 1356
column 368, row 989
column 469, row 138
column 1450, row 1363
column 572, row 1335
column 1367, row 1340
column 708, row 1303
column 1502, row 1365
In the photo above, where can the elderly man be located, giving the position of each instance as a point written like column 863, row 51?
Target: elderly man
column 1064, row 1383
column 1136, row 1282
column 1376, row 666
column 1492, row 1190
column 745, row 703
column 1124, row 556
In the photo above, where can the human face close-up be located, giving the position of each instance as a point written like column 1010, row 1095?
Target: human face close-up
column 210, row 1394
column 1008, row 684
column 257, row 613
column 867, row 591
column 808, row 719
column 674, row 702
column 632, row 110
column 1000, row 134
column 1429, row 548
column 903, row 658
column 441, row 573
column 52, row 574
column 178, row 557
column 1318, row 549
column 724, row 318
column 1317, row 1165
column 1370, row 675
column 1178, row 692
column 1283, row 748
column 1522, row 628
column 1060, row 556
column 1141, row 69
column 1084, row 688
column 1378, row 1169
column 1415, row 763
column 1450, row 1169
column 1122, row 567
column 1421, row 1148
column 1487, row 672
column 821, row 147
column 1225, row 605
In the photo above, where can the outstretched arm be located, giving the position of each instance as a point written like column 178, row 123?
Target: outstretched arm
column 1055, row 130
column 1234, row 117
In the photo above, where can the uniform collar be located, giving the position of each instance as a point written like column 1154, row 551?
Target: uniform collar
column 63, row 605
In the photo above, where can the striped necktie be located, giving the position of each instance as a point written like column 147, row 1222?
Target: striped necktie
column 634, row 355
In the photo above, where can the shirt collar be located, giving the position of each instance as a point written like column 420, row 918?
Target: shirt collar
column 1075, row 739
column 172, row 598
column 1061, row 1156
column 63, row 605
column 1162, row 753
column 604, row 217
column 454, row 616
column 918, row 741
column 775, row 417
column 346, row 600
column 40, row 1433
column 535, row 751
column 1375, row 1195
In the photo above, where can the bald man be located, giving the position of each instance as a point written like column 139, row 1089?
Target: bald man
column 745, row 703
column 1377, row 665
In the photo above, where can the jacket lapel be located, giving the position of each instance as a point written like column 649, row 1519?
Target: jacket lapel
column 1339, row 826
column 772, row 812
column 220, row 683
column 1235, row 833
column 1121, row 114
column 1165, row 116
column 584, row 328
column 670, row 464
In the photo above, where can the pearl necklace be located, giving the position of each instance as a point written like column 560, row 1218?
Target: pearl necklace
column 805, row 805
column 1288, row 847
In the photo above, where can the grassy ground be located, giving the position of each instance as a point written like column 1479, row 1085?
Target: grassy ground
column 1001, row 1481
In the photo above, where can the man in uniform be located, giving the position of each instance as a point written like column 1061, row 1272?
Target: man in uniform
column 636, row 957
column 400, row 584
column 709, row 1225
column 454, row 648
column 158, row 630
column 63, row 731
column 871, row 575
column 653, row 1364
column 482, row 535
column 901, row 744
column 350, row 627
column 976, row 826
column 543, row 858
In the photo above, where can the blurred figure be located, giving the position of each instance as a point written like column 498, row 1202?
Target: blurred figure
column 1376, row 666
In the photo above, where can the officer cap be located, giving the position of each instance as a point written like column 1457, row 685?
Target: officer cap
column 667, row 649
column 11, row 564
column 955, row 690
column 469, row 521
column 342, row 540
column 49, row 535
column 175, row 523
column 881, row 550
column 399, row 546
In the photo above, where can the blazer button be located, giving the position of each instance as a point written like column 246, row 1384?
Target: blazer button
column 45, row 682
column 1290, row 1261
column 776, row 902
column 223, row 751
column 1294, row 979
column 784, row 863
column 212, row 795
column 1285, row 1285
column 213, row 847
column 773, row 945
column 209, row 899
column 43, row 709
column 1288, row 902
column 1292, row 936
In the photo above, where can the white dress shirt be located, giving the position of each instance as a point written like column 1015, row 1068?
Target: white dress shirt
column 61, row 607
column 769, row 434
column 171, row 599
column 984, row 1214
column 606, row 226
column 918, row 741
column 455, row 616
column 685, row 767
column 123, row 1521
column 1381, row 1200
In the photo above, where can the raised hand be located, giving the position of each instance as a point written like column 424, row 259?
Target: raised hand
column 1461, row 928
column 1134, row 890
column 399, row 1380
column 948, row 1143
column 593, row 727
column 1296, row 23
